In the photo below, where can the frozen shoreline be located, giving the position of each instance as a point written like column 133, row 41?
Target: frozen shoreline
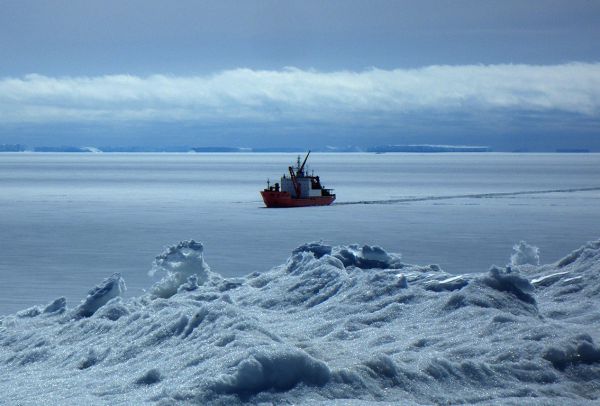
column 332, row 323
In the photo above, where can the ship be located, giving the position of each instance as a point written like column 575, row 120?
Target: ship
column 297, row 190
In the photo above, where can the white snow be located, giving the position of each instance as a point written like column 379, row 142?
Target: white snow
column 333, row 325
column 525, row 254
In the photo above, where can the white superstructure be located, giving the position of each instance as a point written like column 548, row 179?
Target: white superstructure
column 309, row 186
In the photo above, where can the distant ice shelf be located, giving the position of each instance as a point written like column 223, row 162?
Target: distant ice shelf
column 429, row 148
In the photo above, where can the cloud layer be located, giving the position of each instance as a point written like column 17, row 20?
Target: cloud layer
column 296, row 95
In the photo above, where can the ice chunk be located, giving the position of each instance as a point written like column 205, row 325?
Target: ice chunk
column 525, row 254
column 178, row 263
column 110, row 288
column 574, row 279
column 507, row 280
column 452, row 283
column 317, row 248
column 190, row 285
column 29, row 312
column 57, row 306
column 548, row 280
column 364, row 257
column 367, row 257
column 375, row 253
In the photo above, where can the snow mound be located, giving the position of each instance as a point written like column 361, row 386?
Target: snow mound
column 578, row 350
column 332, row 325
column 588, row 252
column 278, row 370
column 113, row 310
column 151, row 377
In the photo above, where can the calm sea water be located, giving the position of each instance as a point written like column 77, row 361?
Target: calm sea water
column 69, row 220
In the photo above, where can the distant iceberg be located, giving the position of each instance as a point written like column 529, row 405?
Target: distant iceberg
column 332, row 325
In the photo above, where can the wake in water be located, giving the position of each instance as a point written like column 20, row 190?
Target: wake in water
column 468, row 196
column 332, row 324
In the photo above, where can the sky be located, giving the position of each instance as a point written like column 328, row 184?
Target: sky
column 514, row 75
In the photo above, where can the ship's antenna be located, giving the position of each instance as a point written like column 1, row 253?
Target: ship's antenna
column 301, row 168
column 268, row 183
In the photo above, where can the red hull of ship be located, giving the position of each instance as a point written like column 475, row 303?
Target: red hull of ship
column 284, row 199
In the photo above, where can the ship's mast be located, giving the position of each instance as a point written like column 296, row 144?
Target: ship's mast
column 301, row 168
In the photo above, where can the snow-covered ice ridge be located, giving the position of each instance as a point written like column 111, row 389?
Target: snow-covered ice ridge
column 333, row 325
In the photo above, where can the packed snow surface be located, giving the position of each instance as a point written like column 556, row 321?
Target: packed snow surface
column 334, row 325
